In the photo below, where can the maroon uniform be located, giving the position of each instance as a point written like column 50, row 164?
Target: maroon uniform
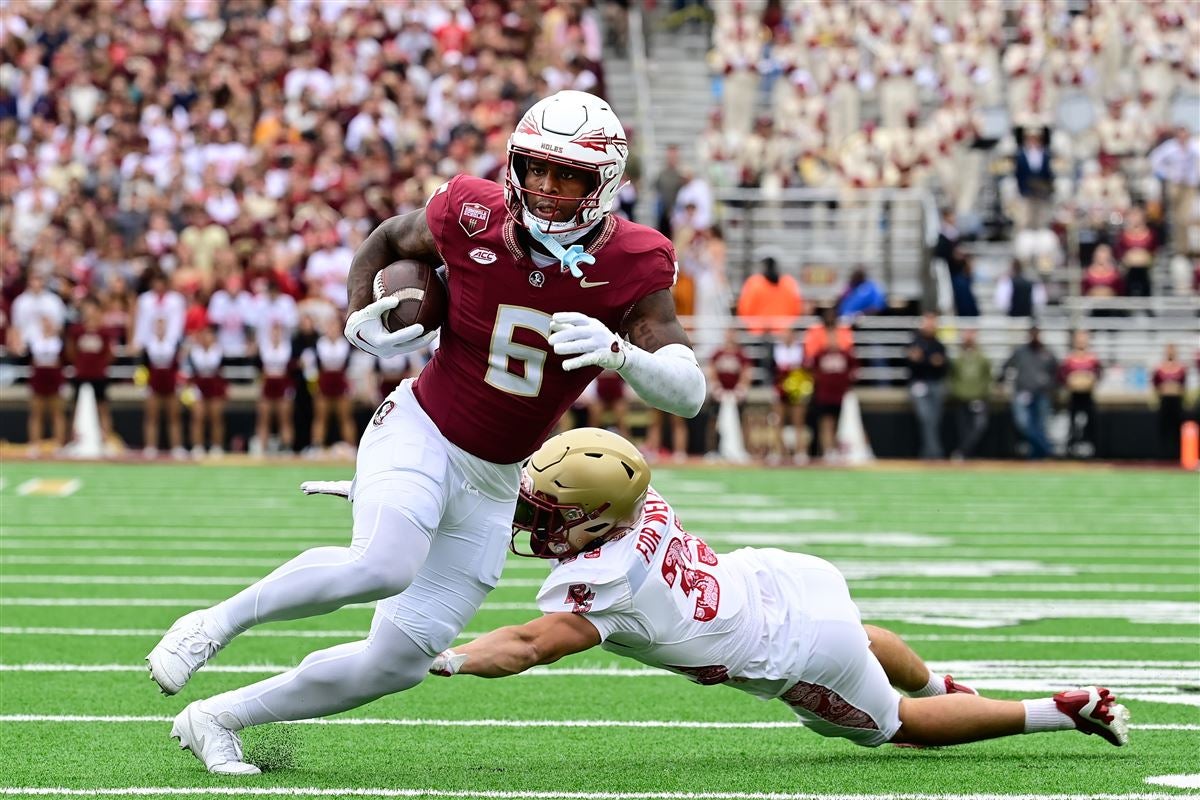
column 332, row 357
column 493, row 363
column 162, row 359
column 833, row 375
column 610, row 387
column 91, row 356
column 204, row 365
column 728, row 365
column 45, row 356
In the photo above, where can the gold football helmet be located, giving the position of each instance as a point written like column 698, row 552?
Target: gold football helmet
column 580, row 489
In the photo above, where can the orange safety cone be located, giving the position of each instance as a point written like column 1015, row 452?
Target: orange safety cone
column 1189, row 445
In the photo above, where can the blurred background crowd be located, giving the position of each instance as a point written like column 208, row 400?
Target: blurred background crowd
column 184, row 183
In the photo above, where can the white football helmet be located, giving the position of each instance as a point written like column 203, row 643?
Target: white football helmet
column 573, row 128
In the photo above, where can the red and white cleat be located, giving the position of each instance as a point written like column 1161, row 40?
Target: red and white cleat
column 1095, row 711
column 957, row 688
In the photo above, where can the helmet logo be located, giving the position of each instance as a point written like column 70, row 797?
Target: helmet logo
column 528, row 125
column 536, row 279
column 597, row 139
column 474, row 218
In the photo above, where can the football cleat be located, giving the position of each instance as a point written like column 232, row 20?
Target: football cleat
column 1094, row 711
column 183, row 649
column 211, row 741
column 957, row 688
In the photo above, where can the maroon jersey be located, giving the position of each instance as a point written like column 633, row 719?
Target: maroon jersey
column 728, row 365
column 1100, row 282
column 833, row 375
column 91, row 353
column 1079, row 372
column 495, row 388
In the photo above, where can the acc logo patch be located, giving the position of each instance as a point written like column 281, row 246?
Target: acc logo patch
column 581, row 595
column 382, row 412
column 474, row 218
column 482, row 255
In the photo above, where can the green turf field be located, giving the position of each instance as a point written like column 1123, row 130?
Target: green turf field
column 1020, row 581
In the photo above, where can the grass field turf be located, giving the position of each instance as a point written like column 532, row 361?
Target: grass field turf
column 1020, row 581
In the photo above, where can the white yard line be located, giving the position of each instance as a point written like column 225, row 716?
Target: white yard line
column 488, row 723
column 495, row 794
column 285, row 633
column 192, row 580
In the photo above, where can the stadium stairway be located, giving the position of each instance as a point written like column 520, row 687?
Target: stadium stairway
column 680, row 95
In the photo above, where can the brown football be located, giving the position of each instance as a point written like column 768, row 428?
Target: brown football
column 422, row 295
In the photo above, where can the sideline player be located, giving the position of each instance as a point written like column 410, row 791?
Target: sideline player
column 545, row 285
column 774, row 624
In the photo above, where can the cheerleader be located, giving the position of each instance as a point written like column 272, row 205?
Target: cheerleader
column 90, row 351
column 328, row 359
column 45, row 350
column 160, row 356
column 205, row 358
column 275, row 400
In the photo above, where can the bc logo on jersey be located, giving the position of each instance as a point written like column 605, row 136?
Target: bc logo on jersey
column 581, row 595
column 474, row 218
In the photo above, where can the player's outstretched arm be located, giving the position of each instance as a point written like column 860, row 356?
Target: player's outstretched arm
column 514, row 649
column 657, row 360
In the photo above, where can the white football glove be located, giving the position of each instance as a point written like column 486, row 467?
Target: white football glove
column 335, row 488
column 447, row 663
column 575, row 334
column 364, row 329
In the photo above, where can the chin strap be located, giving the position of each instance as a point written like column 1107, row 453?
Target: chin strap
column 569, row 257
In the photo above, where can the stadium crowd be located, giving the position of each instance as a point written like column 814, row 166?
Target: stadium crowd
column 181, row 202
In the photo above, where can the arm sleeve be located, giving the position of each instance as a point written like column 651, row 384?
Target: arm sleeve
column 670, row 378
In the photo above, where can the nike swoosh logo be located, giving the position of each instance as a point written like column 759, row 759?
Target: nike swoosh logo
column 584, row 283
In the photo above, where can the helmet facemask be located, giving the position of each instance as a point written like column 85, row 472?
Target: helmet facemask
column 588, row 210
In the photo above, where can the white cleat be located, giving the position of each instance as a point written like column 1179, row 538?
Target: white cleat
column 183, row 649
column 211, row 741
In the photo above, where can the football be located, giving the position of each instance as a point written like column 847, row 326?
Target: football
column 422, row 295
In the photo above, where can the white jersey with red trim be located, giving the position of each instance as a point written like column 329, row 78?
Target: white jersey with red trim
column 665, row 598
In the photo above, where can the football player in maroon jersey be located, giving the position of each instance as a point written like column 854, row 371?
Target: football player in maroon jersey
column 547, row 289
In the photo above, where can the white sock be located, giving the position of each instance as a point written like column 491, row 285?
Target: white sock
column 936, row 686
column 1043, row 715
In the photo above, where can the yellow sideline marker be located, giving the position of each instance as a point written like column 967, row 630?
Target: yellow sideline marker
column 50, row 487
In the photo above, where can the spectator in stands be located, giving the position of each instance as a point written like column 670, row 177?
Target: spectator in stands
column 1079, row 372
column 1035, row 181
column 160, row 357
column 833, row 370
column 1017, row 295
column 927, row 366
column 203, row 361
column 43, row 346
column 965, row 304
column 1176, row 162
column 862, row 295
column 947, row 246
column 1033, row 370
column 159, row 302
column 229, row 309
column 729, row 374
column 769, row 302
column 970, row 387
column 1170, row 380
column 90, row 353
column 667, row 183
column 1135, row 248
